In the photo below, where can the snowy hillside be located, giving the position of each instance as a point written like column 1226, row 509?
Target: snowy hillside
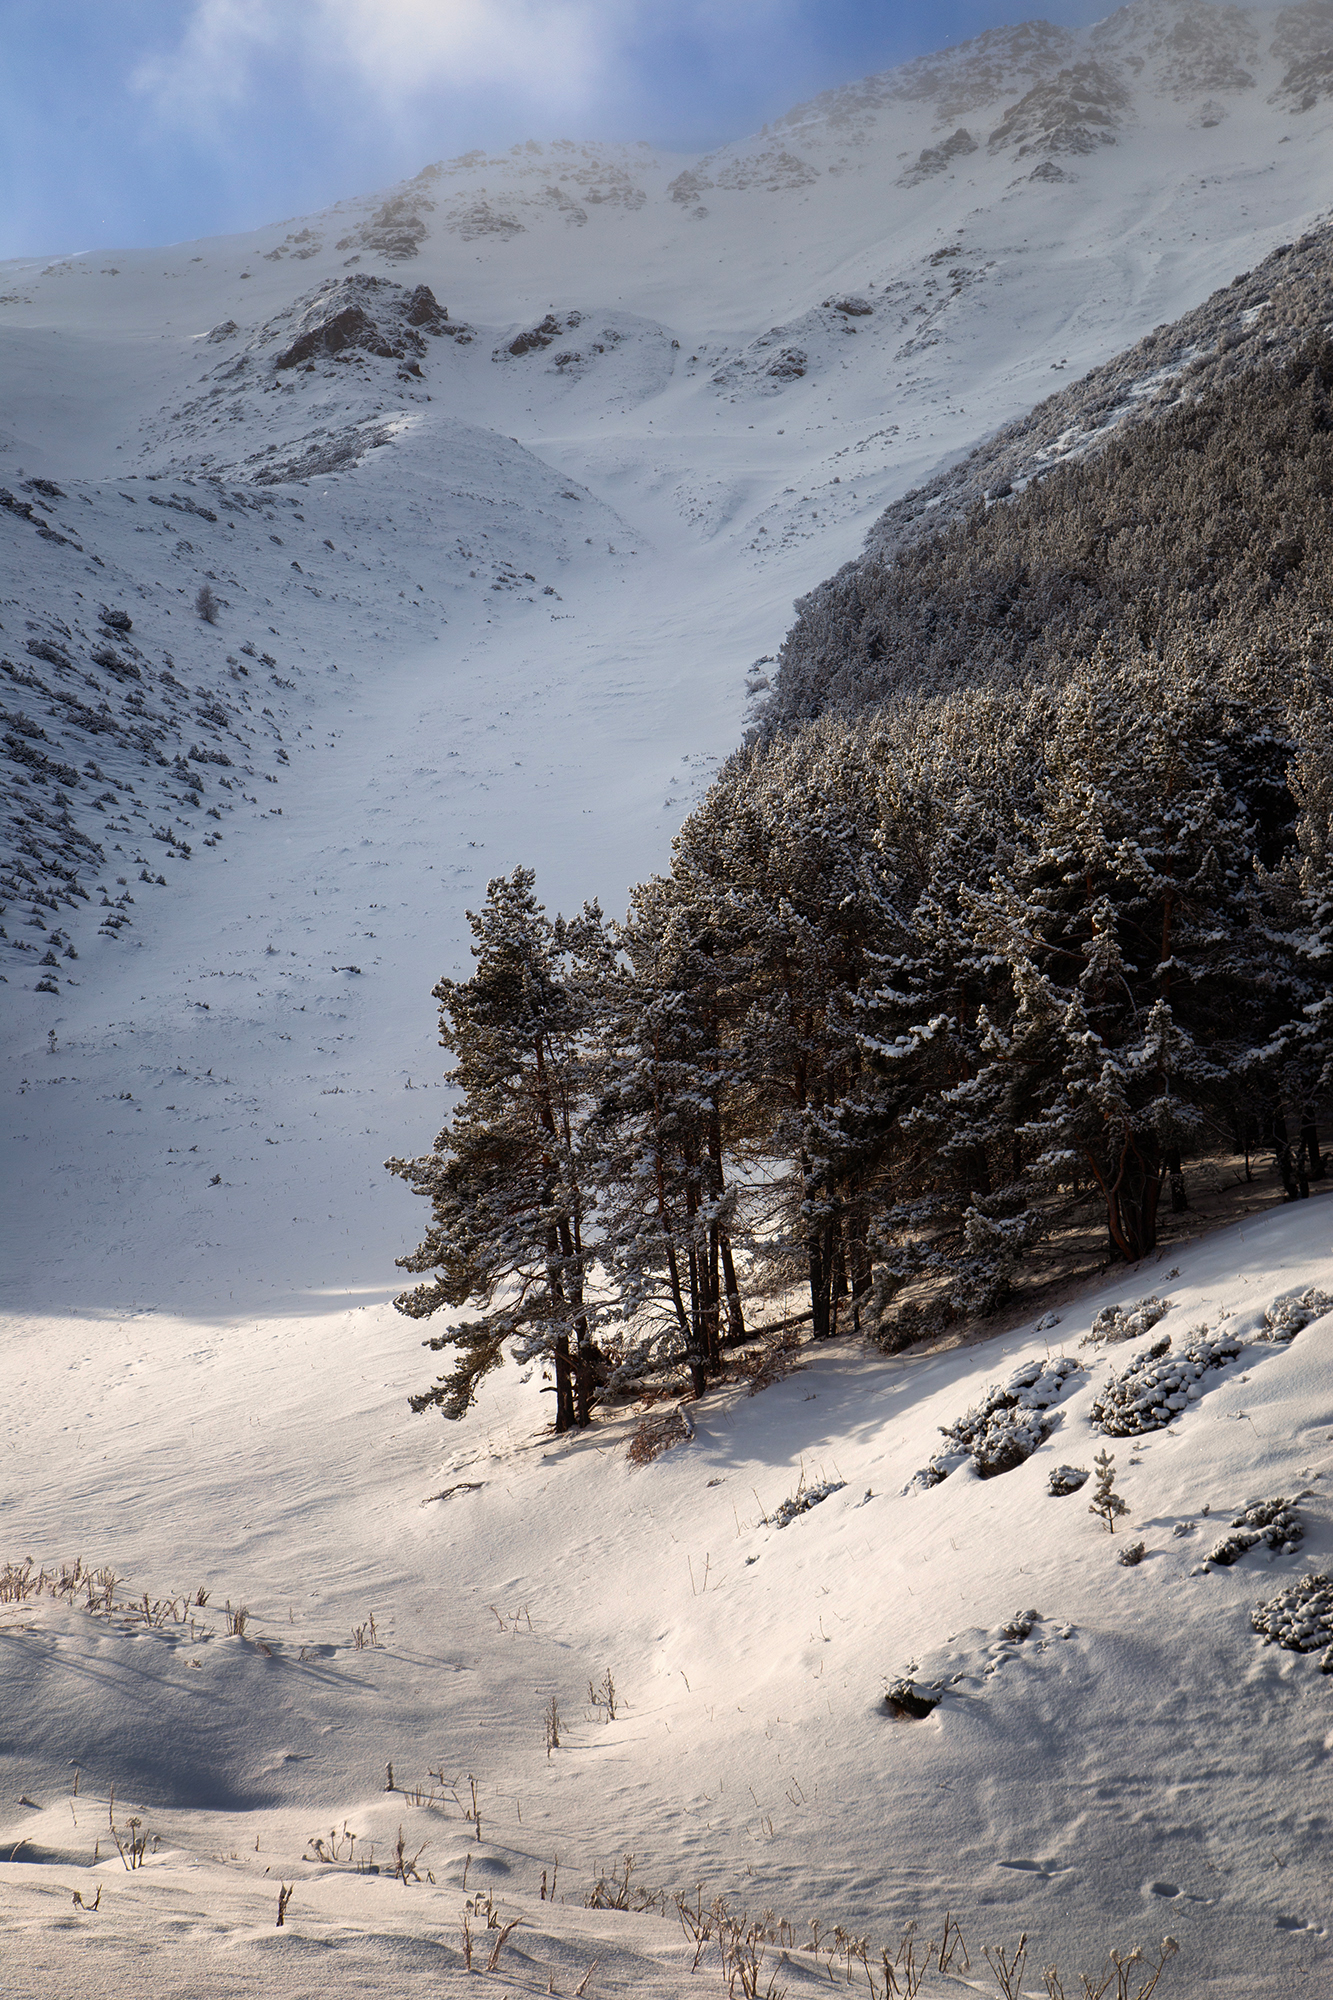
column 503, row 482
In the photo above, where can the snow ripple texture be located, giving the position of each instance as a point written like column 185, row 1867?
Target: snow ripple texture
column 1006, row 1426
column 1158, row 1385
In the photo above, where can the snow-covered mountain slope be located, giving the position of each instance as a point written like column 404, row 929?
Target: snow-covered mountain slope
column 502, row 481
column 1114, row 1752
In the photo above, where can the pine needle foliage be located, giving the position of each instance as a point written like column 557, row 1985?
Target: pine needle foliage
column 503, row 1179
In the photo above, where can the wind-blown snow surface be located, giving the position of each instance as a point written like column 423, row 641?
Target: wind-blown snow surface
column 1139, row 1763
column 481, row 606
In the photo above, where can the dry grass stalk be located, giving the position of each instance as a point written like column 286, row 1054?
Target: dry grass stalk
column 657, row 1432
column 494, row 1959
column 770, row 1363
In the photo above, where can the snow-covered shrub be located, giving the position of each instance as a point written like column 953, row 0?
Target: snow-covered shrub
column 657, row 1432
column 1116, row 1323
column 1272, row 1521
column 802, row 1500
column 1006, row 1426
column 1020, row 1625
column 1064, row 1479
column 1157, row 1385
column 1286, row 1316
column 892, row 1331
column 1132, row 1555
column 1300, row 1618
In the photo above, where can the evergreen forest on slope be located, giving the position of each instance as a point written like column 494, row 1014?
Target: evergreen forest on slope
column 1019, row 898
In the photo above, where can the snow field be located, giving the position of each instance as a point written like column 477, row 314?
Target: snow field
column 1108, row 1774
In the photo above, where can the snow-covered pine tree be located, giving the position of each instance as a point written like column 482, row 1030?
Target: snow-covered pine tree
column 779, row 855
column 656, row 1144
column 1297, row 1064
column 944, row 1113
column 1147, row 966
column 509, row 1211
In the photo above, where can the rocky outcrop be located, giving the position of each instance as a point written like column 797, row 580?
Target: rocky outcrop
column 1075, row 111
column 366, row 315
column 937, row 159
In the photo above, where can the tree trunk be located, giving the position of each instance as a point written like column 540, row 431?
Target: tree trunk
column 735, row 1316
column 1286, row 1159
column 1314, row 1160
column 564, row 1386
column 1179, row 1198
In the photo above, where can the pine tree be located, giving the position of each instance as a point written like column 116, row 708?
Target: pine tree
column 509, row 1209
column 656, row 1141
column 1106, row 1503
column 778, row 858
column 1145, row 963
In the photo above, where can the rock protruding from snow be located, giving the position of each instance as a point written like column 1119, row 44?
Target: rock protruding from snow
column 396, row 231
column 1076, row 111
column 937, row 159
column 367, row 315
column 910, row 1700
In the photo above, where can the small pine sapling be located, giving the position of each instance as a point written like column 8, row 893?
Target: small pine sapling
column 1106, row 1502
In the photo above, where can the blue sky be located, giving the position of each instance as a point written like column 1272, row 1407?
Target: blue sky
column 149, row 121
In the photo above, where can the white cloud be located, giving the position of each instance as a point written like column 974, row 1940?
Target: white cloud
column 559, row 54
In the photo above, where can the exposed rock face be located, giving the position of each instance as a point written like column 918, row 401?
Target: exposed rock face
column 1001, row 63
column 395, row 231
column 1186, row 48
column 533, row 338
column 477, row 218
column 302, row 244
column 771, row 171
column 1075, row 111
column 689, row 186
column 1306, row 83
column 366, row 315
column 936, row 159
column 1303, row 31
column 334, row 334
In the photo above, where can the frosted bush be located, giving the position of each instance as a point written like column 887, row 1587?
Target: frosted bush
column 1132, row 1555
column 1272, row 1521
column 1006, row 1426
column 1300, row 1618
column 1116, row 1323
column 1287, row 1316
column 1158, row 1385
column 1066, row 1479
column 1020, row 1625
column 804, row 1498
